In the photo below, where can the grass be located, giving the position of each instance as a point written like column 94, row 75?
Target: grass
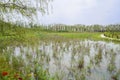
column 18, row 69
column 14, row 68
column 20, row 35
column 29, row 35
column 84, row 35
column 115, row 35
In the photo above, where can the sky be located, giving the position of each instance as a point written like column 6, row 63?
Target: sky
column 86, row 12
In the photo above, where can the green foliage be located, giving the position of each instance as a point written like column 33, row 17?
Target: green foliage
column 81, row 64
column 13, row 67
column 26, row 8
column 115, row 35
column 81, row 28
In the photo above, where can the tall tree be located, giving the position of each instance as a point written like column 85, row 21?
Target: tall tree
column 27, row 8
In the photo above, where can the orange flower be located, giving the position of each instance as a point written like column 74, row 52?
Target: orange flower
column 4, row 73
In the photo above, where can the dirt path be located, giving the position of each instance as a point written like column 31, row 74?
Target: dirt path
column 103, row 36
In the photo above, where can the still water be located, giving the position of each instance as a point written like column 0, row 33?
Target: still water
column 72, row 60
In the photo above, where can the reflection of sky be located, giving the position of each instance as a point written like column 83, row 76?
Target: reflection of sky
column 84, row 12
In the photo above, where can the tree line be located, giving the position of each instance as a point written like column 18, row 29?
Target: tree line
column 79, row 28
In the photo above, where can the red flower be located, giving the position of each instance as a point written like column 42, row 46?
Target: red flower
column 4, row 73
column 19, row 78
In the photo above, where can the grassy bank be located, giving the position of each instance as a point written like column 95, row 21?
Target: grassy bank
column 31, row 35
column 115, row 35
column 84, row 35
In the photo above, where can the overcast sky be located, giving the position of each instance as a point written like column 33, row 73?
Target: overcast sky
column 83, row 12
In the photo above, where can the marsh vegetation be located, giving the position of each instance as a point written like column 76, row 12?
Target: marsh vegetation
column 58, row 53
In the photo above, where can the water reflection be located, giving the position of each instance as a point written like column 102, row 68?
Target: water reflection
column 72, row 60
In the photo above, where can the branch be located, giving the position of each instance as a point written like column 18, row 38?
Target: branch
column 23, row 9
column 13, row 5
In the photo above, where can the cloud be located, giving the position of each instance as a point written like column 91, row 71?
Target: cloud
column 84, row 12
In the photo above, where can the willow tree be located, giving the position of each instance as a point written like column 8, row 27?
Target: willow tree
column 26, row 8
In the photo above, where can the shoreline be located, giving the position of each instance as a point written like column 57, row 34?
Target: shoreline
column 103, row 36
